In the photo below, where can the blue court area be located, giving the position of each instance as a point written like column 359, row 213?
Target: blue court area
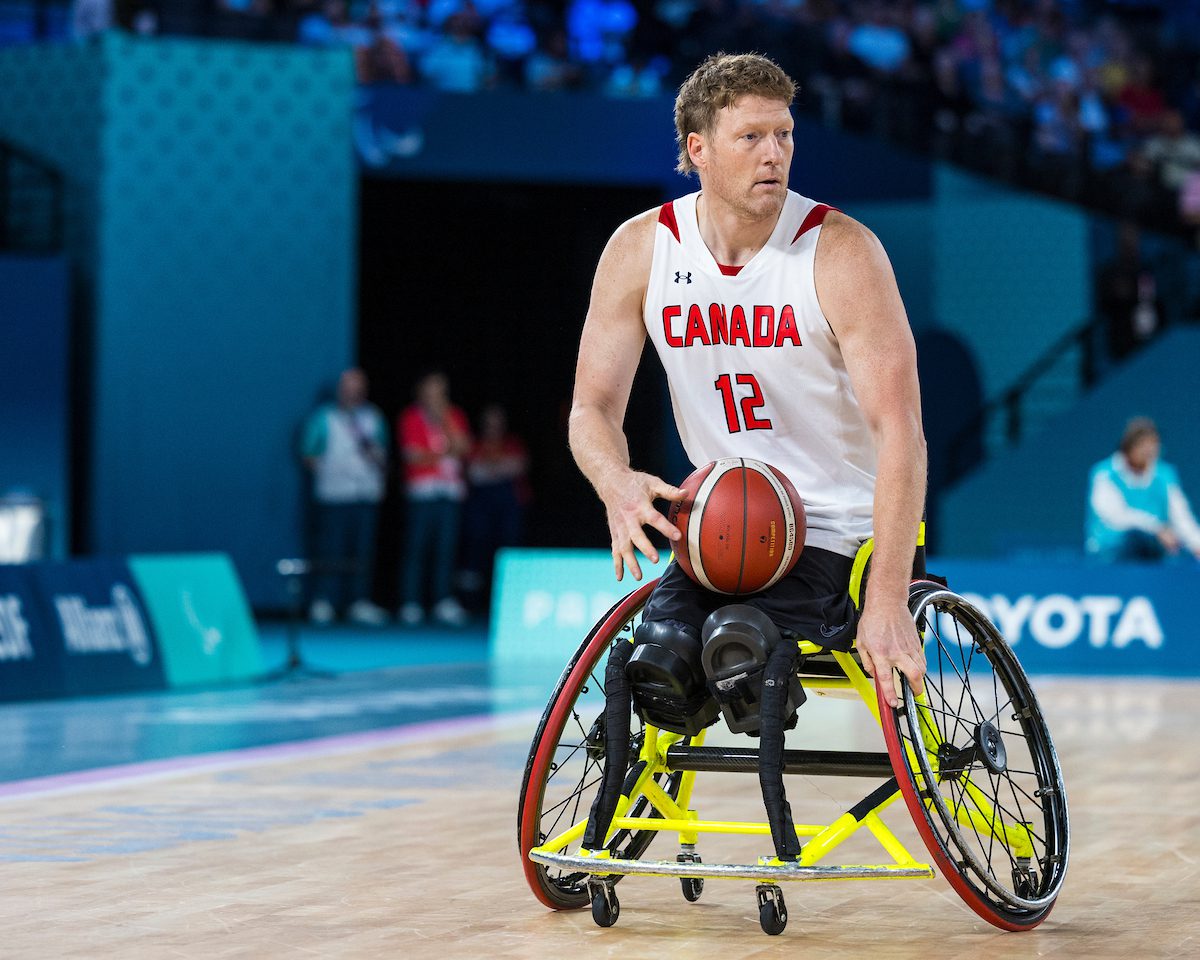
column 351, row 681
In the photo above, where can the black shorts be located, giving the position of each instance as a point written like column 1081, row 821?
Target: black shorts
column 813, row 601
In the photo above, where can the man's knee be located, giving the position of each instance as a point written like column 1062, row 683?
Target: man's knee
column 667, row 679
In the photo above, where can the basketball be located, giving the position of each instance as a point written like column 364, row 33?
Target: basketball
column 742, row 523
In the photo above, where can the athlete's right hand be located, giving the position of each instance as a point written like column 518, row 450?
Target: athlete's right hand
column 629, row 501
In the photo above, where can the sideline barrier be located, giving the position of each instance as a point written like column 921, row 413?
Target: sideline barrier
column 105, row 625
column 1062, row 618
column 203, row 621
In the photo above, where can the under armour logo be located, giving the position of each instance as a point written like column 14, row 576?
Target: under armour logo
column 684, row 277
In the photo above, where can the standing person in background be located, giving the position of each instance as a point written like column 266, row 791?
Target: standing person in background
column 434, row 437
column 1127, row 296
column 345, row 447
column 1136, row 507
column 499, row 491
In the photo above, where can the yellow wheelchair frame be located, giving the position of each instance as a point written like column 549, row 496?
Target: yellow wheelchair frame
column 948, row 775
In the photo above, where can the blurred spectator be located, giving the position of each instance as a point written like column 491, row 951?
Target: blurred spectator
column 1141, row 98
column 1173, row 153
column 551, row 68
column 434, row 437
column 344, row 445
column 379, row 59
column 1127, row 296
column 598, row 29
column 511, row 40
column 1058, row 140
column 89, row 17
column 1137, row 510
column 499, row 493
column 636, row 79
column 457, row 62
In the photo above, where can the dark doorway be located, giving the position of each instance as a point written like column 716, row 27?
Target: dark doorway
column 490, row 283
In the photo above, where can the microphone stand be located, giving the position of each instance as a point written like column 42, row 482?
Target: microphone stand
column 293, row 571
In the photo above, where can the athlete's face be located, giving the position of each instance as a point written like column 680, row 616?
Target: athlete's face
column 745, row 158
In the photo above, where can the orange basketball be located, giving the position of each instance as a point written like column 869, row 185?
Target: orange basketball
column 742, row 523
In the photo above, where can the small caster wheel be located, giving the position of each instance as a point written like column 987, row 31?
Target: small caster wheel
column 772, row 911
column 605, row 905
column 692, row 886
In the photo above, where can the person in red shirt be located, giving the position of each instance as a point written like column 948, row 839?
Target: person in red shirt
column 434, row 437
column 499, row 492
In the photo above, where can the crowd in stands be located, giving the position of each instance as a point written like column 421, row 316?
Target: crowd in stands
column 1095, row 100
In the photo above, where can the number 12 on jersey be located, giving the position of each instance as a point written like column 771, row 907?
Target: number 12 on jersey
column 749, row 404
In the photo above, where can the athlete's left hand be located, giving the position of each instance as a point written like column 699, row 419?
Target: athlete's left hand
column 888, row 641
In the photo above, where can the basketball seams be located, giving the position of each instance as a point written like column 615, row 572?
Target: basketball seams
column 696, row 521
column 745, row 513
column 789, row 517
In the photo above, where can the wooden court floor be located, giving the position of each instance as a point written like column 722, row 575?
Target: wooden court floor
column 402, row 844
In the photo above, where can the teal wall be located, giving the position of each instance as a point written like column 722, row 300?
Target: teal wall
column 1008, row 272
column 1013, row 272
column 1032, row 498
column 213, row 199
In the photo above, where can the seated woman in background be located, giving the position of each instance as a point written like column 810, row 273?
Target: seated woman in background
column 1137, row 510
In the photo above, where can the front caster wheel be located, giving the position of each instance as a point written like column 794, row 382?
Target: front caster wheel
column 605, row 905
column 772, row 911
column 692, row 886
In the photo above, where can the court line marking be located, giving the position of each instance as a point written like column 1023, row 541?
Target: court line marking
column 99, row 778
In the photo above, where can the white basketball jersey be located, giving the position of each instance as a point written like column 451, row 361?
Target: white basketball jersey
column 755, row 370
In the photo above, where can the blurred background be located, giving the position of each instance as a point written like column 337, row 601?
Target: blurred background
column 211, row 209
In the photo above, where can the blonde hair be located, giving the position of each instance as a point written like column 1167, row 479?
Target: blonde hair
column 720, row 81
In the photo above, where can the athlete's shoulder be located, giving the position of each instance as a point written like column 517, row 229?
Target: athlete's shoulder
column 629, row 252
column 842, row 233
column 636, row 232
column 847, row 251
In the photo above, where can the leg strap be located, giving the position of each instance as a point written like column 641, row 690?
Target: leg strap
column 617, row 707
column 780, row 669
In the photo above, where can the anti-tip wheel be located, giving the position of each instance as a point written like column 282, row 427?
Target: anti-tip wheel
column 692, row 886
column 772, row 911
column 605, row 907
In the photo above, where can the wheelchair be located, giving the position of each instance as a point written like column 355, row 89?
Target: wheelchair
column 971, row 759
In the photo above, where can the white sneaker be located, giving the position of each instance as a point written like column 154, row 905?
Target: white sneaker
column 411, row 614
column 367, row 613
column 450, row 612
column 322, row 613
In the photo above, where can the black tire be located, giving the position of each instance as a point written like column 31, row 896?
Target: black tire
column 605, row 909
column 692, row 888
column 994, row 766
column 771, row 918
column 565, row 762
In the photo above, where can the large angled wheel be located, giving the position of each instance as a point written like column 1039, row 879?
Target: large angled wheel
column 566, row 761
column 977, row 767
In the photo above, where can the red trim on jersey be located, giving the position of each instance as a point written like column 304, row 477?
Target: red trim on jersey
column 729, row 271
column 666, row 216
column 816, row 216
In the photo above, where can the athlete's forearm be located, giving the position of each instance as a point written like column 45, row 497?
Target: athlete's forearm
column 598, row 445
column 899, row 504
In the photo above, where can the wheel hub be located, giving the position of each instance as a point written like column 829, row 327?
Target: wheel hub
column 989, row 747
column 986, row 746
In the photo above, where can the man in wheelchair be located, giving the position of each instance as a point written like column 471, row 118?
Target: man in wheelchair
column 784, row 339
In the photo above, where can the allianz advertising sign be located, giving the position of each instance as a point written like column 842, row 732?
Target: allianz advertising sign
column 1062, row 618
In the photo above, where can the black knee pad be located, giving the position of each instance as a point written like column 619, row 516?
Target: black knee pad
column 737, row 641
column 666, row 679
